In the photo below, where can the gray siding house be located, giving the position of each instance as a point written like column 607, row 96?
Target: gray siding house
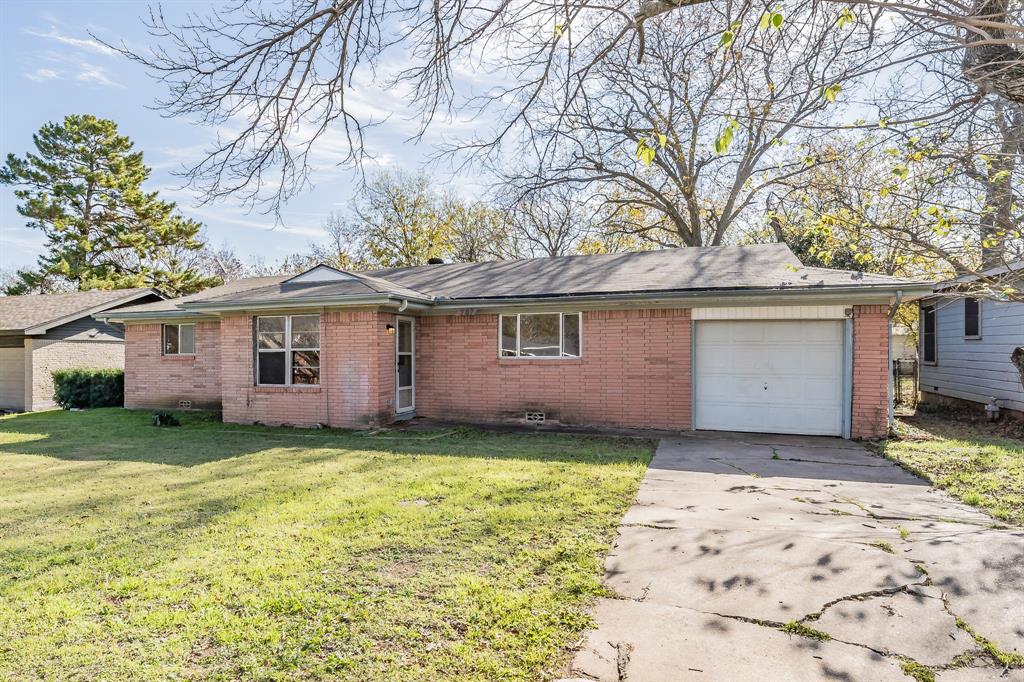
column 965, row 348
column 44, row 332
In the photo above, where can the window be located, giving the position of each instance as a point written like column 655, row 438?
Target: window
column 540, row 335
column 179, row 339
column 972, row 318
column 928, row 334
column 288, row 350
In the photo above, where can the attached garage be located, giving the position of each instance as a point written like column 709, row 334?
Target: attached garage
column 12, row 376
column 771, row 375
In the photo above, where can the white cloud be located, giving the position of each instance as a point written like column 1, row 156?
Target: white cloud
column 95, row 75
column 40, row 75
column 80, row 43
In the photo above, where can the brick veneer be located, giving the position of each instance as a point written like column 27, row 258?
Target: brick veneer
column 870, row 371
column 635, row 371
column 152, row 379
column 43, row 356
column 357, row 375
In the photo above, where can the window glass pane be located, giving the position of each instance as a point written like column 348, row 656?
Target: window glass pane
column 928, row 334
column 971, row 322
column 187, row 338
column 538, row 335
column 405, row 370
column 404, row 336
column 171, row 339
column 274, row 341
column 508, row 335
column 271, row 368
column 305, row 339
column 571, row 335
column 306, row 367
column 270, row 324
column 404, row 398
column 305, row 323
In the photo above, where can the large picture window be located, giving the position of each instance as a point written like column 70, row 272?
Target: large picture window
column 288, row 350
column 179, row 339
column 928, row 334
column 540, row 335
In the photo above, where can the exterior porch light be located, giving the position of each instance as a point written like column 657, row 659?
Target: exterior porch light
column 390, row 329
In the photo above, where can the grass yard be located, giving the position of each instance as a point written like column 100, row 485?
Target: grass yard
column 979, row 463
column 212, row 551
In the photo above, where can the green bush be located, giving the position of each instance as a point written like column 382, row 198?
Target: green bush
column 79, row 388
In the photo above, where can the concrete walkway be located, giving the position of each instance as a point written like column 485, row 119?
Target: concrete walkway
column 733, row 536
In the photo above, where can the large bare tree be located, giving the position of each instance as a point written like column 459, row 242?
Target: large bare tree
column 277, row 77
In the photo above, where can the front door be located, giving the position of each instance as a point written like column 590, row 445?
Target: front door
column 405, row 366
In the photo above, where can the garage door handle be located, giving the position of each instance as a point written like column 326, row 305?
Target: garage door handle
column 766, row 386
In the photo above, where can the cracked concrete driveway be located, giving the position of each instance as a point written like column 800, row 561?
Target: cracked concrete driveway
column 734, row 536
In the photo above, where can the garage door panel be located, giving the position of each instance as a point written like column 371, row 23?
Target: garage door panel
column 12, row 378
column 769, row 376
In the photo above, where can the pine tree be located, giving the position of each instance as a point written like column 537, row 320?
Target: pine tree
column 83, row 188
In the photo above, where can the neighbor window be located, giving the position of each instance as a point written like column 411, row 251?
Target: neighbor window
column 972, row 318
column 540, row 335
column 288, row 350
column 179, row 339
column 928, row 334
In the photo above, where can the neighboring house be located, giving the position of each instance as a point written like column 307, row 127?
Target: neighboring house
column 726, row 338
column 966, row 344
column 43, row 332
column 904, row 345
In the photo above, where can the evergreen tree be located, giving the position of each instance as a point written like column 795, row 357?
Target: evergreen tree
column 83, row 188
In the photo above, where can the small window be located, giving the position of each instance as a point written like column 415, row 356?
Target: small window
column 972, row 318
column 288, row 350
column 179, row 339
column 540, row 335
column 928, row 334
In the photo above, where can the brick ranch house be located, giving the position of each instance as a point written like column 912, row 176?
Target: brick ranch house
column 41, row 333
column 739, row 338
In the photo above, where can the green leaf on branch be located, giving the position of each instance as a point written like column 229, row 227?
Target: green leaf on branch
column 846, row 17
column 831, row 92
column 724, row 139
column 645, row 152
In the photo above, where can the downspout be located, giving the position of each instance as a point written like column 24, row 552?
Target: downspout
column 892, row 313
column 405, row 304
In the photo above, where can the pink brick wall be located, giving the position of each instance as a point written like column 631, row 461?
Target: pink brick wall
column 870, row 371
column 356, row 375
column 635, row 371
column 152, row 379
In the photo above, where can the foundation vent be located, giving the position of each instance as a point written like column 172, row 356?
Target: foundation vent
column 184, row 404
column 534, row 417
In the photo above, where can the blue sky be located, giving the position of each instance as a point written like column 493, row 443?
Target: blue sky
column 50, row 67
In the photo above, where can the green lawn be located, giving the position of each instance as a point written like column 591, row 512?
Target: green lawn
column 212, row 551
column 975, row 461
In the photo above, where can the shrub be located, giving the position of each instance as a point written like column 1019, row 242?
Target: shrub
column 165, row 418
column 82, row 388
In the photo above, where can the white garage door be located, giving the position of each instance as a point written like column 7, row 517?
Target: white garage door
column 12, row 378
column 770, row 376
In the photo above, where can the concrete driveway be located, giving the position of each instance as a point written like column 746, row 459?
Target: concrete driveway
column 733, row 536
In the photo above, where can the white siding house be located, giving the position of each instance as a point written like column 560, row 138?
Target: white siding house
column 967, row 365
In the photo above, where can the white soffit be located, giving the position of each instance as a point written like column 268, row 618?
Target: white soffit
column 320, row 273
column 772, row 312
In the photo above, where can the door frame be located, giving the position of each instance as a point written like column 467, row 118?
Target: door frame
column 412, row 360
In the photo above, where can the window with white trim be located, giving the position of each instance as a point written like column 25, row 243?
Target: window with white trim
column 179, row 339
column 972, row 318
column 540, row 335
column 287, row 350
column 928, row 348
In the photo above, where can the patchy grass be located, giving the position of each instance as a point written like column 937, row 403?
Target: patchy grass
column 223, row 552
column 975, row 462
column 1010, row 659
column 882, row 545
column 917, row 671
column 796, row 628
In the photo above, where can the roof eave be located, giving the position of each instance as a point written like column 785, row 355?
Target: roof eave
column 44, row 327
column 911, row 291
column 305, row 302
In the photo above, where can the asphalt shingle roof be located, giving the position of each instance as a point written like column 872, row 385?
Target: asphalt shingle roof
column 765, row 266
column 18, row 313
